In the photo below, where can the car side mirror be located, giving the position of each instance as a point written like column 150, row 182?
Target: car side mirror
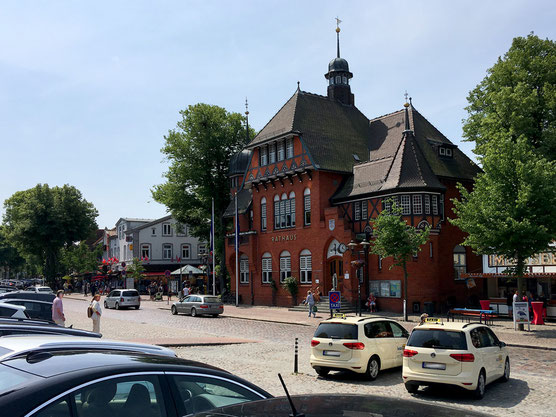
column 501, row 344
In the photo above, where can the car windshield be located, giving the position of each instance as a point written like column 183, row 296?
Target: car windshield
column 11, row 378
column 336, row 331
column 436, row 338
column 44, row 290
column 130, row 294
column 212, row 300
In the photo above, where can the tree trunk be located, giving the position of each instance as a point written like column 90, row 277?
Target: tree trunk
column 405, row 291
column 50, row 266
column 520, row 269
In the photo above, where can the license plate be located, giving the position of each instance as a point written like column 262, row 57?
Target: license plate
column 434, row 365
column 330, row 353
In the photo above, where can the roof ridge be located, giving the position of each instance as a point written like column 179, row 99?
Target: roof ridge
column 413, row 109
column 384, row 115
column 275, row 114
column 401, row 147
column 419, row 170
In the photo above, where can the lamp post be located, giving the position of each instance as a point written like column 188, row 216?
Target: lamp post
column 204, row 259
column 353, row 246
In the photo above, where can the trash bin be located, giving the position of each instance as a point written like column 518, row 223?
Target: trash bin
column 429, row 307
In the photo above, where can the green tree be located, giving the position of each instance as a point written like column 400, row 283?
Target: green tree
column 291, row 285
column 136, row 269
column 41, row 221
column 517, row 99
column 80, row 258
column 199, row 152
column 396, row 239
column 510, row 211
column 10, row 259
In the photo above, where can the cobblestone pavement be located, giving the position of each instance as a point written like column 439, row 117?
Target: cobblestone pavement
column 529, row 392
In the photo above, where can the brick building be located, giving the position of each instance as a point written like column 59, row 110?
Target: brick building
column 312, row 181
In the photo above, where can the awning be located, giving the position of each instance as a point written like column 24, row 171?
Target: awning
column 184, row 270
column 502, row 275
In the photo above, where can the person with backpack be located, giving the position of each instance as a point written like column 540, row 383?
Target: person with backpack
column 94, row 312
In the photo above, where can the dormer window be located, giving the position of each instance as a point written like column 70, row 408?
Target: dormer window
column 443, row 151
column 344, row 80
column 263, row 156
column 338, row 79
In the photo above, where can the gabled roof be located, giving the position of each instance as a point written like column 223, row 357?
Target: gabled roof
column 402, row 161
column 131, row 219
column 151, row 223
column 332, row 132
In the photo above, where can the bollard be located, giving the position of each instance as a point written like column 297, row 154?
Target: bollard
column 295, row 369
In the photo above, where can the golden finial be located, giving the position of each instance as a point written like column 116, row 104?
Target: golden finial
column 338, row 21
column 406, row 104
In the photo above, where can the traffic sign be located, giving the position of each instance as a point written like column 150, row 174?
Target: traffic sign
column 167, row 273
column 334, row 298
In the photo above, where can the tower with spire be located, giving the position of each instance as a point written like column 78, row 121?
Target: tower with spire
column 338, row 75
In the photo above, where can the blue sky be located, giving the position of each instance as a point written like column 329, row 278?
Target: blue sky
column 89, row 89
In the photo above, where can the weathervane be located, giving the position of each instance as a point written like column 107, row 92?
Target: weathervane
column 246, row 107
column 406, row 95
column 338, row 21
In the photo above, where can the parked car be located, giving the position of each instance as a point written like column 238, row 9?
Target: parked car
column 40, row 288
column 362, row 345
column 28, row 295
column 198, row 304
column 112, row 383
column 12, row 326
column 11, row 310
column 334, row 405
column 466, row 355
column 12, row 346
column 122, row 299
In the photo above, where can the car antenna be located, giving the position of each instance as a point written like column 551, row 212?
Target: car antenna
column 294, row 411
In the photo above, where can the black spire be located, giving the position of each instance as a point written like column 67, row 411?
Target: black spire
column 407, row 128
column 338, row 75
column 246, row 121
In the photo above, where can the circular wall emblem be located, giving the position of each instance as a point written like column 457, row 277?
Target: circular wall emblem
column 331, row 224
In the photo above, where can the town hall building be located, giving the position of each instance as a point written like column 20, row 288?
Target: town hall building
column 310, row 184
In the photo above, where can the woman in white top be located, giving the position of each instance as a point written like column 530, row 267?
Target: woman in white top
column 97, row 312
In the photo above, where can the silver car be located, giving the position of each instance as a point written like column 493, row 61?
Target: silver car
column 122, row 298
column 197, row 304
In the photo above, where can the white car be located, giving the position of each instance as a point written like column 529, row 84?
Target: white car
column 362, row 345
column 41, row 289
column 122, row 299
column 467, row 355
column 13, row 311
column 18, row 345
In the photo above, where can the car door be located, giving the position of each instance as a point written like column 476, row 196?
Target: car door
column 481, row 341
column 380, row 334
column 111, row 299
column 498, row 367
column 399, row 339
column 194, row 303
column 182, row 305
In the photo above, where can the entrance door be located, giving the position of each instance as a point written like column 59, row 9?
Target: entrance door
column 335, row 266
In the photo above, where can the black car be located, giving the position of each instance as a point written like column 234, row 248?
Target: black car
column 334, row 405
column 28, row 295
column 11, row 326
column 66, row 383
column 35, row 309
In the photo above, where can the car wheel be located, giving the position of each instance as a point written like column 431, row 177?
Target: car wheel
column 322, row 371
column 193, row 312
column 373, row 367
column 174, row 310
column 506, row 376
column 136, row 307
column 105, row 305
column 411, row 388
column 117, row 306
column 479, row 392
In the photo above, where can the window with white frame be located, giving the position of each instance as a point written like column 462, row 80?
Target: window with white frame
column 289, row 148
column 263, row 213
column 435, row 205
column 448, row 152
column 167, row 251
column 281, row 150
column 387, row 205
column 460, row 261
column 406, row 205
column 417, row 204
column 185, row 251
column 364, row 212
column 285, row 265
column 145, row 250
column 166, row 229
column 244, row 269
column 305, row 267
column 276, row 212
column 272, row 153
column 357, row 210
column 290, row 221
column 267, row 268
column 284, row 211
column 263, row 160
column 441, row 206
column 202, row 249
column 307, row 207
column 427, row 204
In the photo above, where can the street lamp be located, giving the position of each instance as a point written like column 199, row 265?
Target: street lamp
column 353, row 246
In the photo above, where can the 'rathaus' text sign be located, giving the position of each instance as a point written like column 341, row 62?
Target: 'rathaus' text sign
column 334, row 298
column 521, row 313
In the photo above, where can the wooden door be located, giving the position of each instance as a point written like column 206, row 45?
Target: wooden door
column 335, row 266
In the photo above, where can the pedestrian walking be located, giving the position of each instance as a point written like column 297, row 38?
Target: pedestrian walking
column 310, row 301
column 97, row 312
column 58, row 309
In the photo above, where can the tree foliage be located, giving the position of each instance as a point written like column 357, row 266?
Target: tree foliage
column 10, row 258
column 199, row 152
column 42, row 220
column 136, row 269
column 394, row 238
column 80, row 258
column 517, row 98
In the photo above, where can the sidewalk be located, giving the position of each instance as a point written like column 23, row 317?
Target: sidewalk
column 540, row 337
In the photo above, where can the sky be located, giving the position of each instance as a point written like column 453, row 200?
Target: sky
column 88, row 90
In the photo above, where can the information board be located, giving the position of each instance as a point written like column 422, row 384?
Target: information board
column 521, row 314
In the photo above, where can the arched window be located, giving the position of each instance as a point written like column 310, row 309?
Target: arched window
column 338, row 79
column 186, row 251
column 244, row 269
column 307, row 206
column 283, row 210
column 285, row 265
column 267, row 268
column 276, row 212
column 305, row 267
column 290, row 221
column 460, row 261
column 263, row 213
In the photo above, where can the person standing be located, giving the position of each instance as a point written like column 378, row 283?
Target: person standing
column 97, row 312
column 310, row 301
column 58, row 309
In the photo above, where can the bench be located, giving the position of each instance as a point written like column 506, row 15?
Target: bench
column 486, row 316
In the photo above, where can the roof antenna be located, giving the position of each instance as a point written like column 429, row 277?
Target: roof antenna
column 294, row 411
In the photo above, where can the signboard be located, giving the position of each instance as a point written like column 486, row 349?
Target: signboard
column 521, row 313
column 334, row 298
column 167, row 273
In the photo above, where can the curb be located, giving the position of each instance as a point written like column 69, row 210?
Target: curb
column 194, row 344
column 532, row 347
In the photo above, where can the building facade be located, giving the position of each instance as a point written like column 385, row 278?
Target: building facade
column 313, row 180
